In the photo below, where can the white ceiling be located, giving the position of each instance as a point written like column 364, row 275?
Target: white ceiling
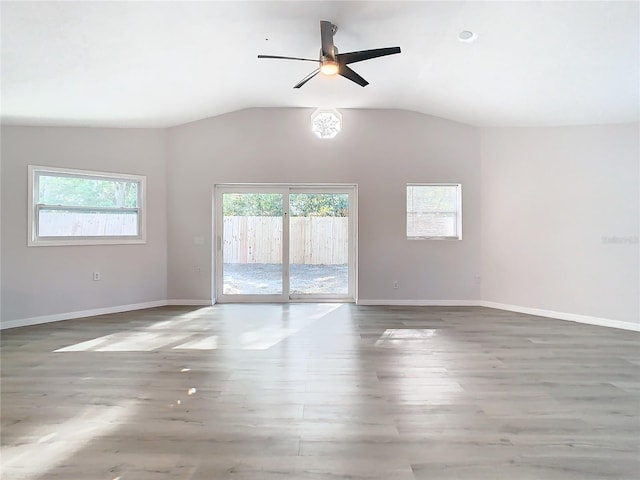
column 158, row 64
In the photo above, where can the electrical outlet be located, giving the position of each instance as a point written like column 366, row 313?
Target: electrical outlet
column 395, row 284
column 96, row 276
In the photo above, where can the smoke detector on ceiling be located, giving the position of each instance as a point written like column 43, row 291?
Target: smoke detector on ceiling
column 467, row 36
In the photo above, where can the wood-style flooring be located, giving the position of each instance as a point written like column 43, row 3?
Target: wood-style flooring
column 320, row 392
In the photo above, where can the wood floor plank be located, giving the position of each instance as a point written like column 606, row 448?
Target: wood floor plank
column 316, row 391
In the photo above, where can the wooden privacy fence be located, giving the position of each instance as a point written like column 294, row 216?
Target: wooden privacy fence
column 73, row 224
column 312, row 240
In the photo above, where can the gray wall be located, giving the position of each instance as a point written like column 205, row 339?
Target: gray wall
column 380, row 150
column 540, row 205
column 560, row 219
column 42, row 281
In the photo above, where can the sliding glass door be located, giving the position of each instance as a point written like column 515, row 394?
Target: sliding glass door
column 318, row 244
column 281, row 243
column 252, row 244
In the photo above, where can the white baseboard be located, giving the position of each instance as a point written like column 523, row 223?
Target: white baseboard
column 191, row 302
column 420, row 303
column 573, row 317
column 23, row 322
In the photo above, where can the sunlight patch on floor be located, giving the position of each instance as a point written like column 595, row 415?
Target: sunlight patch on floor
column 49, row 446
column 257, row 327
column 404, row 336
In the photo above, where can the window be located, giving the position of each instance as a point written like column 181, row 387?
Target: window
column 434, row 211
column 326, row 123
column 77, row 207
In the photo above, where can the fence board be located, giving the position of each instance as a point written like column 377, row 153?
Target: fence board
column 55, row 224
column 313, row 240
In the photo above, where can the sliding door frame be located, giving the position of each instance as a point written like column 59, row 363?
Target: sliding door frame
column 220, row 190
column 285, row 189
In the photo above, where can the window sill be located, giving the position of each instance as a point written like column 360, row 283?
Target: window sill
column 61, row 242
column 435, row 238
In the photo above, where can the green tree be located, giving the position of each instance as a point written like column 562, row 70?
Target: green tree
column 319, row 205
column 252, row 204
column 85, row 192
column 300, row 204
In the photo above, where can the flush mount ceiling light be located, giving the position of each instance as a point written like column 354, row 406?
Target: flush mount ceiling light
column 326, row 123
column 467, row 36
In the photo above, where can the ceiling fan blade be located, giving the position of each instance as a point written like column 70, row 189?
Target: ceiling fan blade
column 346, row 72
column 307, row 78
column 326, row 36
column 352, row 57
column 288, row 58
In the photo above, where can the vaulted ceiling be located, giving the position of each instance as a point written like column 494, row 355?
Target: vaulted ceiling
column 158, row 64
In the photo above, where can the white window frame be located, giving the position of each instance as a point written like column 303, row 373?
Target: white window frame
column 34, row 239
column 458, row 212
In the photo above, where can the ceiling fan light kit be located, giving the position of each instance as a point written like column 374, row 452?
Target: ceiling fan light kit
column 329, row 67
column 331, row 62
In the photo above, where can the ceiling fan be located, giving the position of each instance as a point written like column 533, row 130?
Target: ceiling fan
column 332, row 63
